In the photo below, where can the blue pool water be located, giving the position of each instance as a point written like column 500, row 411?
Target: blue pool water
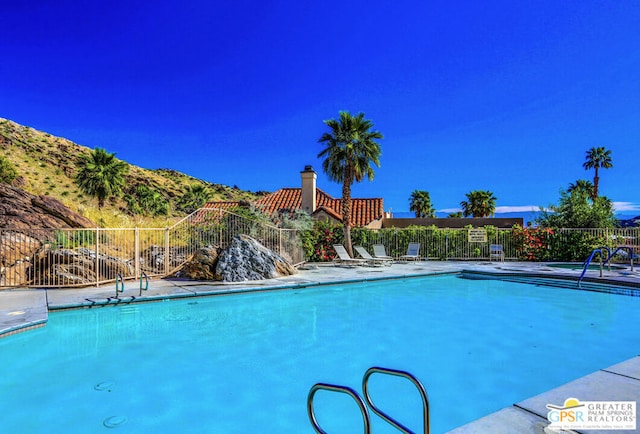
column 245, row 363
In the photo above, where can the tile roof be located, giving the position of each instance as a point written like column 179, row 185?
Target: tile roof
column 363, row 211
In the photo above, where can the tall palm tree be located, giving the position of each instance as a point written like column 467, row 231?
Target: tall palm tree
column 101, row 175
column 599, row 157
column 479, row 203
column 420, row 203
column 350, row 149
column 581, row 186
column 194, row 197
column 151, row 202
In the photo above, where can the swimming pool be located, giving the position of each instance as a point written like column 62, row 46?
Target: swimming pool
column 245, row 363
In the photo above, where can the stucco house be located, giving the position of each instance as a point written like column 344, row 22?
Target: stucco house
column 367, row 212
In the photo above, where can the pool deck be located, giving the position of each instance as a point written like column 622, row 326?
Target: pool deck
column 22, row 309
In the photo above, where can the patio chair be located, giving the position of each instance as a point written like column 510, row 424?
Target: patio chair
column 412, row 252
column 496, row 252
column 344, row 258
column 374, row 261
column 379, row 252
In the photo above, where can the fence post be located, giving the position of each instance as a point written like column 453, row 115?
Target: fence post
column 136, row 254
column 166, row 251
column 97, row 256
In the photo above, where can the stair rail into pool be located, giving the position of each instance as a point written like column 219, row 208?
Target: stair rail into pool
column 120, row 286
column 586, row 263
column 342, row 389
column 387, row 418
column 146, row 286
column 622, row 248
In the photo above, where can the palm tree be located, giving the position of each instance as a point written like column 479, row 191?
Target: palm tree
column 350, row 149
column 151, row 202
column 420, row 203
column 101, row 175
column 583, row 187
column 479, row 203
column 195, row 196
column 597, row 158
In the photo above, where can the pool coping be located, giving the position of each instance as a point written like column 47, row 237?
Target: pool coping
column 30, row 307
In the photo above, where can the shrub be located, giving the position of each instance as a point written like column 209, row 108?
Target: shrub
column 318, row 241
column 532, row 244
column 7, row 171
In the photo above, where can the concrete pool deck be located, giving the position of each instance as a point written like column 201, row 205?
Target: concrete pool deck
column 25, row 308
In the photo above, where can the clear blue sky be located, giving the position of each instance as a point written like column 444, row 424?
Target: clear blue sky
column 504, row 96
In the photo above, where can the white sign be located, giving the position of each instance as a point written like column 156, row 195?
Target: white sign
column 477, row 236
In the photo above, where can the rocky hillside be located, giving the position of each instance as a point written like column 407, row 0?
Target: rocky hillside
column 47, row 165
column 19, row 210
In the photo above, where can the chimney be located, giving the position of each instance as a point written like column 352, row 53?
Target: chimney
column 309, row 177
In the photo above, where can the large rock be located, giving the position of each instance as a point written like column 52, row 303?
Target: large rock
column 61, row 267
column 202, row 266
column 246, row 259
column 22, row 210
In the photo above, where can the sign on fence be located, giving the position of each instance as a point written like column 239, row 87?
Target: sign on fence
column 477, row 236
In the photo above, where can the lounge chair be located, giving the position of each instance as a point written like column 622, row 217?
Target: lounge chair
column 412, row 252
column 344, row 258
column 374, row 261
column 380, row 253
column 496, row 252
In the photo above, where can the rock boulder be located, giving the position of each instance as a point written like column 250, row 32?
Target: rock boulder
column 20, row 209
column 246, row 259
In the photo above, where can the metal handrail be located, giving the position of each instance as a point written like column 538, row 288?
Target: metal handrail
column 335, row 388
column 146, row 278
column 623, row 248
column 121, row 287
column 588, row 261
column 398, row 373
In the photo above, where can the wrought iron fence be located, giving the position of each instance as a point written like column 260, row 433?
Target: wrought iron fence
column 456, row 244
column 83, row 257
column 440, row 244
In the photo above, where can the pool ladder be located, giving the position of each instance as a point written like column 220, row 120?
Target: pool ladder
column 120, row 284
column 363, row 407
column 604, row 260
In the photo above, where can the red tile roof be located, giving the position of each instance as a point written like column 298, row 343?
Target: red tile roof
column 363, row 211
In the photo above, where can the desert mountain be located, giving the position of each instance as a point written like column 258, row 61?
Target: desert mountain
column 47, row 165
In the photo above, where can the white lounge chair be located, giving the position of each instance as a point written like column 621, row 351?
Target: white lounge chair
column 344, row 258
column 496, row 252
column 374, row 261
column 379, row 252
column 412, row 252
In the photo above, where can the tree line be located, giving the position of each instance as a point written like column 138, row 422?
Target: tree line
column 351, row 149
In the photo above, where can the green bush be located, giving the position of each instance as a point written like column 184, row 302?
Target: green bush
column 318, row 241
column 7, row 171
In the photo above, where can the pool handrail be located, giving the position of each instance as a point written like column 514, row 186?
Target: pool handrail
column 623, row 248
column 342, row 389
column 119, row 288
column 386, row 417
column 146, row 279
column 586, row 263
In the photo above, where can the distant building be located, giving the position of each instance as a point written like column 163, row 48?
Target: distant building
column 321, row 206
column 367, row 213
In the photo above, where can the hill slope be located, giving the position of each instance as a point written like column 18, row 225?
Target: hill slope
column 47, row 165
